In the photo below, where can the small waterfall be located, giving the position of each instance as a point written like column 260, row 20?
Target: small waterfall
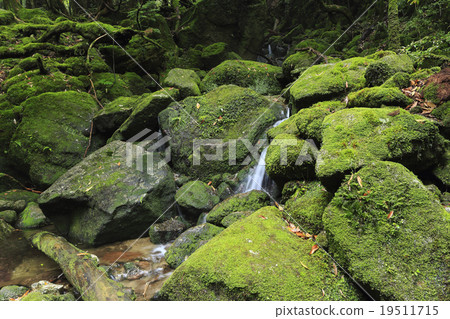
column 257, row 178
column 269, row 50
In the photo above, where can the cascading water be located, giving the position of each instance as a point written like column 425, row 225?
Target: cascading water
column 257, row 178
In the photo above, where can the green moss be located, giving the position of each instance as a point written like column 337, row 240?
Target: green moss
column 5, row 229
column 196, row 197
column 188, row 242
column 12, row 292
column 307, row 123
column 37, row 16
column 6, row 17
column 381, row 70
column 8, row 216
column 356, row 137
column 296, row 63
column 234, row 217
column 262, row 78
column 442, row 170
column 398, row 80
column 228, row 112
column 430, row 92
column 404, row 256
column 187, row 81
column 378, row 97
column 31, row 217
column 442, row 113
column 328, row 81
column 250, row 201
column 111, row 117
column 19, row 195
column 424, row 73
column 244, row 263
column 290, row 158
column 110, row 86
column 306, row 206
column 38, row 296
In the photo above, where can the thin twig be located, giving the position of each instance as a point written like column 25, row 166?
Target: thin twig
column 90, row 139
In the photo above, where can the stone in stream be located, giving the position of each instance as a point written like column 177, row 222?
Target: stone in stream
column 5, row 229
column 162, row 233
column 12, row 292
column 249, row 201
column 9, row 216
column 31, row 217
column 189, row 241
column 391, row 233
column 257, row 258
column 103, row 200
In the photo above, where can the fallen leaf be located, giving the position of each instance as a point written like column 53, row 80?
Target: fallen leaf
column 209, row 183
column 351, row 178
column 390, row 214
column 198, row 106
column 263, row 217
column 314, row 249
column 342, row 293
column 323, row 293
column 366, row 193
column 335, row 272
column 346, row 84
column 214, row 123
column 118, row 164
column 359, row 181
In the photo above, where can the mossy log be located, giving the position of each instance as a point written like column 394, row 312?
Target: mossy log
column 80, row 269
column 31, row 48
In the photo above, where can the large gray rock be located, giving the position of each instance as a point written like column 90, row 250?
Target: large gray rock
column 102, row 199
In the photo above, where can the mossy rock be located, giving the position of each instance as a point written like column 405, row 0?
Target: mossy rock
column 38, row 16
column 391, row 234
column 290, row 158
column 12, row 292
column 53, row 135
column 17, row 195
column 9, row 216
column 424, row 73
column 15, row 205
column 244, row 263
column 249, row 201
column 110, row 196
column 381, row 70
column 442, row 113
column 442, row 170
column 398, row 80
column 31, row 217
column 29, row 84
column 187, row 81
column 296, row 63
column 145, row 113
column 307, row 123
column 188, row 242
column 112, row 116
column 430, row 60
column 260, row 77
column 234, row 217
column 195, row 198
column 136, row 83
column 356, row 137
column 162, row 233
column 377, row 97
column 306, row 206
column 38, row 296
column 5, row 229
column 9, row 119
column 328, row 81
column 229, row 114
column 6, row 17
column 109, row 86
column 216, row 53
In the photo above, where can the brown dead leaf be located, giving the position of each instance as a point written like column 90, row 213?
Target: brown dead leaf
column 335, row 271
column 390, row 214
column 351, row 178
column 314, row 249
column 263, row 217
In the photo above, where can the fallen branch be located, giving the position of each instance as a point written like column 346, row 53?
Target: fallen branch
column 80, row 270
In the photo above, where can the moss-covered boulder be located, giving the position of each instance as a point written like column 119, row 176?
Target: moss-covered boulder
column 195, row 198
column 53, row 135
column 290, row 158
column 297, row 63
column 250, row 201
column 381, row 70
column 356, row 137
column 437, row 87
column 398, row 80
column 244, row 263
column 6, row 17
column 377, row 97
column 307, row 123
column 216, row 53
column 442, row 170
column 18, row 199
column 9, row 119
column 260, row 77
column 328, row 81
column 109, row 86
column 188, row 242
column 234, row 217
column 187, row 81
column 5, row 229
column 31, row 217
column 164, row 232
column 106, row 198
column 12, row 292
column 391, row 234
column 39, row 296
column 145, row 113
column 9, row 216
column 112, row 116
column 307, row 204
column 229, row 113
column 442, row 113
